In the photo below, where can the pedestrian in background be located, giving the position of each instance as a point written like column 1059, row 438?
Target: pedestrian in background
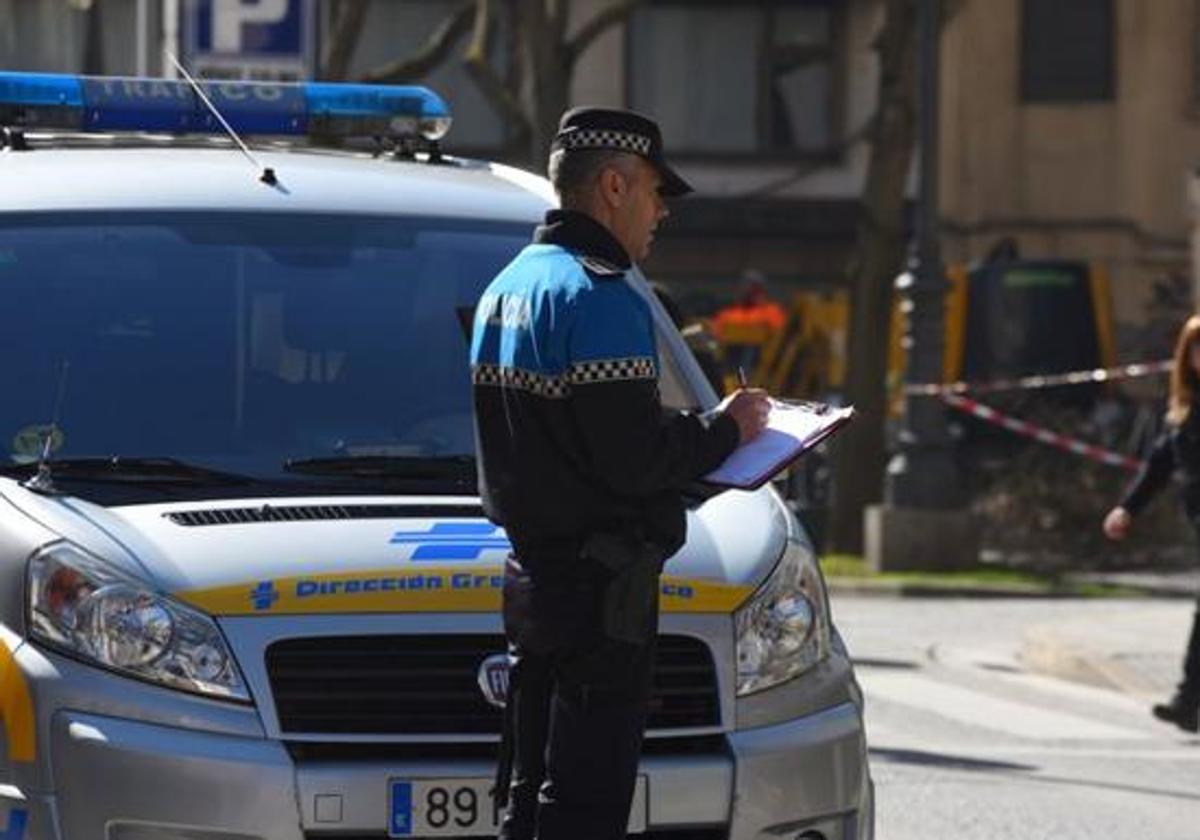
column 1176, row 451
column 747, row 325
column 585, row 469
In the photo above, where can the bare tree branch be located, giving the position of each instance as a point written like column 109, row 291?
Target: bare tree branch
column 484, row 75
column 556, row 8
column 786, row 57
column 481, row 32
column 950, row 10
column 859, row 135
column 435, row 51
column 514, row 66
column 557, row 12
column 93, row 42
column 598, row 25
column 543, row 45
column 349, row 23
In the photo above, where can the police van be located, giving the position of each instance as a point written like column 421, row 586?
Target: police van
column 246, row 586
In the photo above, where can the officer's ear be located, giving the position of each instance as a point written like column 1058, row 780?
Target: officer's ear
column 613, row 186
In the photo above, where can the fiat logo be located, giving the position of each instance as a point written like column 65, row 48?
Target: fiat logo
column 493, row 679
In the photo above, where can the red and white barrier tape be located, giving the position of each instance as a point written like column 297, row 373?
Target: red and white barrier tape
column 1046, row 380
column 1040, row 434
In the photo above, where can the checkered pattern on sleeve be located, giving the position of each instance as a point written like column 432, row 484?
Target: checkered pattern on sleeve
column 611, row 370
column 604, row 138
column 552, row 387
column 559, row 387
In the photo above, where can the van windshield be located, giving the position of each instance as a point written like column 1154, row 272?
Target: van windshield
column 241, row 341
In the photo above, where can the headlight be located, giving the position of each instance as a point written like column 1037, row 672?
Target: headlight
column 80, row 605
column 783, row 630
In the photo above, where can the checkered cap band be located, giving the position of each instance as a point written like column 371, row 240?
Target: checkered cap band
column 611, row 370
column 605, row 138
column 553, row 387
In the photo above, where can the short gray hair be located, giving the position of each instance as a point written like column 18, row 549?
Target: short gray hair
column 574, row 175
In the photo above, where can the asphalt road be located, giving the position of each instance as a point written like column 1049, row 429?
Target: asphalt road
column 966, row 744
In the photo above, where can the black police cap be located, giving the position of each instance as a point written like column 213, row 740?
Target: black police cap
column 621, row 131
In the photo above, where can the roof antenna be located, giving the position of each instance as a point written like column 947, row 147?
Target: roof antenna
column 42, row 481
column 268, row 174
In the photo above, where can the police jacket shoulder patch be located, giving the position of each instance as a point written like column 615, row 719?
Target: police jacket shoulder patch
column 600, row 268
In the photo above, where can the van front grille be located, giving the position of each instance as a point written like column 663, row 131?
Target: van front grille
column 689, row 833
column 422, row 685
column 394, row 752
column 311, row 513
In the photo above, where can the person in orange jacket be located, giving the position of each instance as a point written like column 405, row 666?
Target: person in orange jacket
column 748, row 323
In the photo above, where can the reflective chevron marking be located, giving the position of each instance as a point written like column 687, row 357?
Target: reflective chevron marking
column 454, row 540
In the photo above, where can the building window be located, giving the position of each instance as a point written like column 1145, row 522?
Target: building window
column 725, row 77
column 1068, row 51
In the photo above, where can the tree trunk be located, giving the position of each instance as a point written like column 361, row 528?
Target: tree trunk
column 552, row 96
column 348, row 19
column 549, row 62
column 533, row 89
column 860, row 455
column 93, row 40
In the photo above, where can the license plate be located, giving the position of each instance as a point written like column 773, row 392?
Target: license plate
column 456, row 807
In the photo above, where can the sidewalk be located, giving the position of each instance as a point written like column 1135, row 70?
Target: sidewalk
column 1174, row 584
column 1132, row 643
column 1136, row 649
column 970, row 584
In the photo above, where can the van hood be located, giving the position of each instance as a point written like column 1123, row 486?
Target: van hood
column 380, row 553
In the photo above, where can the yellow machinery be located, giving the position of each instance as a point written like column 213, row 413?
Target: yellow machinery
column 1017, row 326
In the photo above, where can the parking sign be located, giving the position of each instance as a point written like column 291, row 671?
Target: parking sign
column 271, row 39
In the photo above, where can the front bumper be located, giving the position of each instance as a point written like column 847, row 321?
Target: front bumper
column 807, row 776
column 122, row 760
column 142, row 781
column 127, row 780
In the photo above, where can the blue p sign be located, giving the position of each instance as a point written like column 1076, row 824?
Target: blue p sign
column 250, row 28
column 17, row 819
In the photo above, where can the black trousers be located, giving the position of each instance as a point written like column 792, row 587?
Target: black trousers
column 580, row 705
column 1189, row 688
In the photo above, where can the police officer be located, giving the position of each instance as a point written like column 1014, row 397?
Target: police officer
column 584, row 468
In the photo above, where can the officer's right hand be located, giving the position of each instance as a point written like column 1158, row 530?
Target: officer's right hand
column 749, row 407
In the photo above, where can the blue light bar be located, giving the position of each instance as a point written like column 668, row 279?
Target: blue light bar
column 41, row 90
column 109, row 104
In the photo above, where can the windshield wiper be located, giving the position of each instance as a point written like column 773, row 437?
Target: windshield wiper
column 457, row 468
column 119, row 469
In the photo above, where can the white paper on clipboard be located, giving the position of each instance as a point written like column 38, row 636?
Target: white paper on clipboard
column 792, row 429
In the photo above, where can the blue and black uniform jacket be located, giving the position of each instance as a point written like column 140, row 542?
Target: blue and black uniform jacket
column 572, row 437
